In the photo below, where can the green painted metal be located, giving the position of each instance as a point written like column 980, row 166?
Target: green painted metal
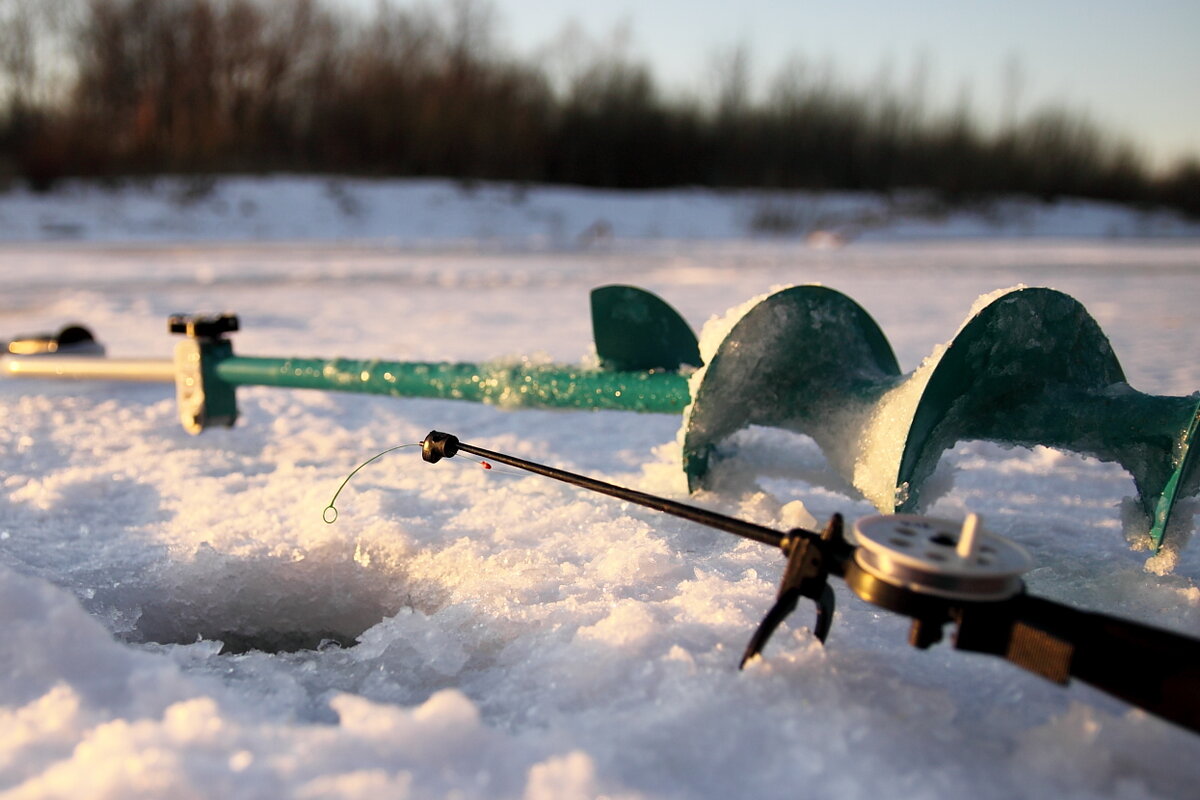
column 792, row 361
column 512, row 385
column 1033, row 367
column 640, row 340
column 1030, row 368
column 635, row 330
column 1184, row 480
column 220, row 400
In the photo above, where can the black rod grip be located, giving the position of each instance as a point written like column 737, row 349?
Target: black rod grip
column 1151, row 668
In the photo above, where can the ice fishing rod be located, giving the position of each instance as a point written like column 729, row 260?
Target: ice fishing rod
column 937, row 572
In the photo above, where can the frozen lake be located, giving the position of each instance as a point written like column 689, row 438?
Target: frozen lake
column 489, row 635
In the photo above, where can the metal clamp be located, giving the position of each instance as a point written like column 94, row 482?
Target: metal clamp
column 202, row 398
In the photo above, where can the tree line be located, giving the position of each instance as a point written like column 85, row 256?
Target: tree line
column 115, row 88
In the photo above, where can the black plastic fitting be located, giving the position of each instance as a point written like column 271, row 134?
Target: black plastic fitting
column 438, row 445
column 202, row 326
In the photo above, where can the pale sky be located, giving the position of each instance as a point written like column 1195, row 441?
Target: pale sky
column 1134, row 67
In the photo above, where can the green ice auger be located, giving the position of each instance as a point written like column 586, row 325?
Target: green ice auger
column 1032, row 367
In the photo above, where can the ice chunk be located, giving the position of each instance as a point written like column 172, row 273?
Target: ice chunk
column 569, row 777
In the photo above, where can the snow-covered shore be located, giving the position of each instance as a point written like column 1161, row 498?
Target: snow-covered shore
column 437, row 212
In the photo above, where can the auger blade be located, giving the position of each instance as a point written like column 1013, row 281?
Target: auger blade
column 792, row 362
column 635, row 330
column 1184, row 481
column 1032, row 367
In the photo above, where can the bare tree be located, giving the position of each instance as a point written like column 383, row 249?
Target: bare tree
column 730, row 71
column 30, row 57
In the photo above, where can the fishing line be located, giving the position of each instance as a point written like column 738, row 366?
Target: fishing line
column 325, row 515
column 330, row 513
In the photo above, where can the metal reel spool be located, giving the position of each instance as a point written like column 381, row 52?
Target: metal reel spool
column 940, row 557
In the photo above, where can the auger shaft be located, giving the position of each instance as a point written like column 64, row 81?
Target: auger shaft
column 147, row 370
column 517, row 385
column 520, row 385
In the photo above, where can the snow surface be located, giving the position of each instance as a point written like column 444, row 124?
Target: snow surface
column 470, row 633
column 434, row 213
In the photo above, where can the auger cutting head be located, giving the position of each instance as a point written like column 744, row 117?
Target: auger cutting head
column 1030, row 368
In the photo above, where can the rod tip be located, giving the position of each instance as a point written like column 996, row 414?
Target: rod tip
column 437, row 445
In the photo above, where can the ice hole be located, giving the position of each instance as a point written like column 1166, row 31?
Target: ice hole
column 274, row 604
